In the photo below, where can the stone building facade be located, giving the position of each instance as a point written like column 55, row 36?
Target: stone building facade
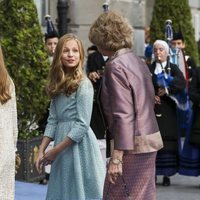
column 83, row 12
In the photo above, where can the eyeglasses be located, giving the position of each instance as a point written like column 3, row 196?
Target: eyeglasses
column 125, row 189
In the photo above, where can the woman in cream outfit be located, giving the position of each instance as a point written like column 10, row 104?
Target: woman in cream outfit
column 8, row 133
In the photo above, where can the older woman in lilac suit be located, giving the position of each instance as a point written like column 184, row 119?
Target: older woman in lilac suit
column 127, row 98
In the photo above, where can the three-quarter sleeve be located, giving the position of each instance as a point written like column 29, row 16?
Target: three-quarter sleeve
column 122, row 108
column 52, row 121
column 84, row 102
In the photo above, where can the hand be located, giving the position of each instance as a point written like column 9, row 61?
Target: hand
column 38, row 162
column 157, row 100
column 161, row 92
column 94, row 76
column 114, row 171
column 49, row 157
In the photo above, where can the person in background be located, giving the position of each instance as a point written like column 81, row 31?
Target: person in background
column 8, row 133
column 167, row 161
column 194, row 94
column 77, row 168
column 148, row 48
column 51, row 37
column 127, row 98
column 190, row 155
column 178, row 42
column 51, row 40
column 91, row 49
column 94, row 69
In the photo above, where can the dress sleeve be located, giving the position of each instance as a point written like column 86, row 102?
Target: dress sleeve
column 122, row 108
column 14, row 116
column 51, row 121
column 84, row 102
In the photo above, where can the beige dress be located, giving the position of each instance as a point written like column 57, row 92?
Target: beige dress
column 8, row 139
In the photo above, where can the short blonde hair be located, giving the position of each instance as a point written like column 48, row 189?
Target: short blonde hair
column 111, row 31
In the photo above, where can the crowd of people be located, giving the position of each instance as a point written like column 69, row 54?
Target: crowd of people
column 116, row 97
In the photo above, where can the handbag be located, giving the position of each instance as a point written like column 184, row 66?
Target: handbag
column 125, row 190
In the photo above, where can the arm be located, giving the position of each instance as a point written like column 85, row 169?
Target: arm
column 51, row 121
column 92, row 67
column 43, row 146
column 84, row 102
column 14, row 117
column 122, row 108
column 78, row 130
column 45, row 159
column 48, row 137
column 121, row 121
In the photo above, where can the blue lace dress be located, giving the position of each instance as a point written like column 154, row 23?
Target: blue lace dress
column 78, row 172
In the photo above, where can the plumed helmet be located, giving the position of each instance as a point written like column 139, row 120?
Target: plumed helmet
column 50, row 31
column 178, row 35
column 105, row 7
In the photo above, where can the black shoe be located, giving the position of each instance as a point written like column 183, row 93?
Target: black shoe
column 166, row 181
column 47, row 176
column 44, row 181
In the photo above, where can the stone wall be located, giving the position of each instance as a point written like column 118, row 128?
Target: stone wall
column 139, row 12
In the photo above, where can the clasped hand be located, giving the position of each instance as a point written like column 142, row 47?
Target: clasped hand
column 45, row 159
column 161, row 92
column 114, row 171
column 94, row 76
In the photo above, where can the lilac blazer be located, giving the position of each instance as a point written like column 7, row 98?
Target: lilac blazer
column 127, row 98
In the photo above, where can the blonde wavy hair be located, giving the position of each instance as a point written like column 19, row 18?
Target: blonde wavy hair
column 111, row 31
column 5, row 81
column 59, row 80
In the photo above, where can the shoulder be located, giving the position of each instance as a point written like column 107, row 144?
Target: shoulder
column 85, row 81
column 94, row 55
column 12, row 87
column 152, row 66
column 174, row 66
column 85, row 84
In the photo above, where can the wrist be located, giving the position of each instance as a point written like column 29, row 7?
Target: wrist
column 116, row 161
column 41, row 149
column 117, row 154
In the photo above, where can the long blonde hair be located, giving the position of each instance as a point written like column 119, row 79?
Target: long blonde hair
column 59, row 80
column 5, row 81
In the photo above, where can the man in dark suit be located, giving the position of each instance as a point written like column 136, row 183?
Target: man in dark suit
column 178, row 41
column 95, row 68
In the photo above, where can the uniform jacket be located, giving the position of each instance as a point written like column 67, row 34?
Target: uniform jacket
column 127, row 98
column 194, row 93
column 166, row 112
column 96, row 62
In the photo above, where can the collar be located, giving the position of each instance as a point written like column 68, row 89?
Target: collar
column 120, row 52
column 158, row 68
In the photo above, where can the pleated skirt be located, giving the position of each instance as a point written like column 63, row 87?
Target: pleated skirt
column 137, row 181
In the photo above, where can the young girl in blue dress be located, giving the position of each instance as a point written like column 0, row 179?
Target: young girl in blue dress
column 77, row 168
